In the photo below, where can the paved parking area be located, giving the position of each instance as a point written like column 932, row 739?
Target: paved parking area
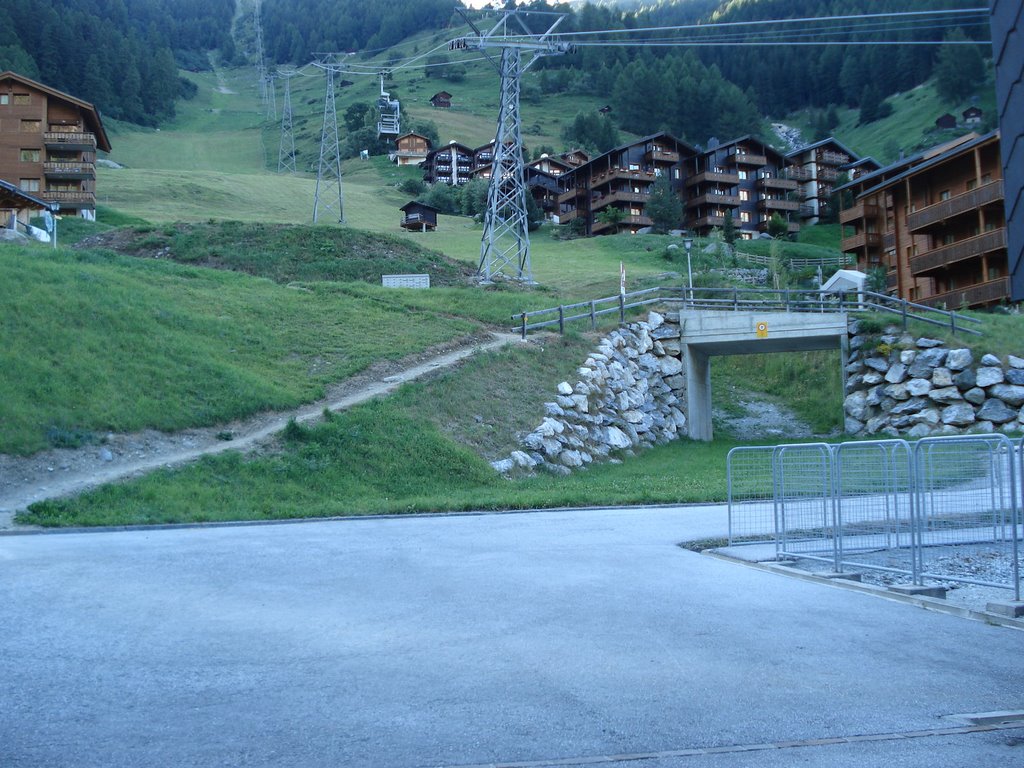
column 472, row 640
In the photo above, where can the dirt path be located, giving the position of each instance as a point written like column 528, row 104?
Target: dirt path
column 63, row 472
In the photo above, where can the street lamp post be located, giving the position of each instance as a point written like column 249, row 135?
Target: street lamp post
column 688, row 244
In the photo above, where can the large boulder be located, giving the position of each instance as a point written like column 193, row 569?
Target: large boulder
column 958, row 415
column 958, row 359
column 996, row 411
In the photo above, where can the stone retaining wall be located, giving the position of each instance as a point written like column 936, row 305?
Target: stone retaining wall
column 630, row 393
column 898, row 385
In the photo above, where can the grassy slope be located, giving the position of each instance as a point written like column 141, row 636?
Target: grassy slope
column 910, row 127
column 154, row 344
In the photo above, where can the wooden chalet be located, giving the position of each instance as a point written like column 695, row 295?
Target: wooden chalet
column 18, row 207
column 410, row 149
column 945, row 121
column 575, row 157
column 936, row 223
column 418, row 217
column 972, row 115
column 744, row 176
column 621, row 179
column 452, row 164
column 550, row 165
column 817, row 168
column 441, row 100
column 48, row 144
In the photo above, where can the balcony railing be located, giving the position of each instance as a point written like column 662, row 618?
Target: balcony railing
column 627, row 221
column 713, row 177
column 70, row 170
column 976, row 295
column 712, row 199
column 622, row 173
column 892, row 280
column 834, row 158
column 661, row 156
column 858, row 212
column 80, row 141
column 68, row 196
column 827, row 174
column 889, row 240
column 808, row 211
column 771, row 204
column 861, row 239
column 969, row 248
column 710, row 221
column 775, row 182
column 955, row 206
column 747, row 158
column 797, row 173
column 620, row 196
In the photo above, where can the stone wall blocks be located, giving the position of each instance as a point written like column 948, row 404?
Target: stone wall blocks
column 897, row 391
column 925, row 343
column 975, row 396
column 565, row 388
column 918, row 387
column 1011, row 394
column 872, row 377
column 1015, row 362
column 919, row 430
column 553, row 409
column 907, row 356
column 913, row 405
column 945, row 395
column 942, row 377
column 996, row 411
column 1015, row 376
column 958, row 359
column 966, row 379
column 897, row 372
column 988, row 376
column 989, row 360
column 958, row 415
column 879, row 364
column 852, row 426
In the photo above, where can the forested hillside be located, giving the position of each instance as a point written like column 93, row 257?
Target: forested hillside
column 122, row 55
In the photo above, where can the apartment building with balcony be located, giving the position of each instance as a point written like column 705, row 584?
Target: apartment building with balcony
column 818, row 167
column 451, row 164
column 745, row 177
column 936, row 223
column 48, row 144
column 621, row 180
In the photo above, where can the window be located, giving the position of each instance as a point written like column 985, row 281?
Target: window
column 634, row 167
column 994, row 272
column 31, row 126
column 29, row 185
column 743, row 175
column 745, row 217
column 5, row 98
column 948, row 239
column 675, row 173
column 744, row 195
column 986, row 178
column 30, row 155
column 971, row 184
column 944, row 194
column 22, row 99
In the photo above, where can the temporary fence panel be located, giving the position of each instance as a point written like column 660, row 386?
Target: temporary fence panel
column 803, row 500
column 751, row 488
column 967, row 518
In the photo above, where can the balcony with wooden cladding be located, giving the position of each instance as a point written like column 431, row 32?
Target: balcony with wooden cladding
column 619, row 196
column 69, row 170
column 833, row 158
column 892, row 280
column 709, row 221
column 860, row 240
column 966, row 202
column 730, row 201
column 571, row 194
column 827, row 174
column 746, row 158
column 627, row 221
column 978, row 295
column 65, row 141
column 615, row 174
column 69, row 197
column 969, row 248
column 658, row 155
column 858, row 212
column 808, row 211
column 775, row 182
column 772, row 204
column 889, row 240
column 713, row 177
column 797, row 173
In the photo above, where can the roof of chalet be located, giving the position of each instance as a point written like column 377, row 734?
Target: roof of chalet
column 553, row 160
column 827, row 140
column 912, row 160
column 440, row 95
column 932, row 160
column 13, row 192
column 447, row 146
column 92, row 115
column 414, row 204
column 413, row 133
column 861, row 162
column 972, row 110
column 628, row 144
column 748, row 138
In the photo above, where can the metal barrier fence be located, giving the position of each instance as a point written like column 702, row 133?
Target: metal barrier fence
column 945, row 508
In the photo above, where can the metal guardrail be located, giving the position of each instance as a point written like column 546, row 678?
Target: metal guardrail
column 943, row 508
column 740, row 299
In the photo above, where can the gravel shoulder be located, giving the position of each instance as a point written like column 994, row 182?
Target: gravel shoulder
column 64, row 472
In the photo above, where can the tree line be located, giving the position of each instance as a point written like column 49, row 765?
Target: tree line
column 121, row 55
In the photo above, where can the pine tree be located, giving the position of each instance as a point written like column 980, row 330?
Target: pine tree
column 664, row 206
column 959, row 69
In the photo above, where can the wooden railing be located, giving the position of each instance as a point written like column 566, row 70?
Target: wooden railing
column 870, row 239
column 740, row 300
column 971, row 247
column 954, row 206
column 859, row 211
column 973, row 295
column 713, row 199
column 713, row 177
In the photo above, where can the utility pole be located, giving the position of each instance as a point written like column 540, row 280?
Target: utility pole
column 261, row 64
column 286, row 151
column 506, row 239
column 329, row 168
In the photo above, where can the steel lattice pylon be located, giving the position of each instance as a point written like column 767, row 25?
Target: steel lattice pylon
column 286, row 151
column 506, row 237
column 329, row 167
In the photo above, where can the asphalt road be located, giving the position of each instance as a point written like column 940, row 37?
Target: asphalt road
column 472, row 640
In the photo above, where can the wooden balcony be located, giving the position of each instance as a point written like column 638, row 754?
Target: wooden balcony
column 772, row 204
column 620, row 196
column 833, row 158
column 889, row 240
column 712, row 177
column 418, row 222
column 746, row 158
column 892, row 280
column 858, row 212
column 969, row 248
column 627, row 221
column 570, row 194
column 657, row 155
column 69, row 170
column 709, row 221
column 797, row 173
column 774, row 182
column 69, row 197
column 621, row 173
column 64, row 141
column 860, row 240
column 808, row 211
column 827, row 174
column 730, row 201
column 965, row 202
column 978, row 295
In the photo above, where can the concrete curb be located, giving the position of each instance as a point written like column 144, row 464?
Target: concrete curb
column 928, row 603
